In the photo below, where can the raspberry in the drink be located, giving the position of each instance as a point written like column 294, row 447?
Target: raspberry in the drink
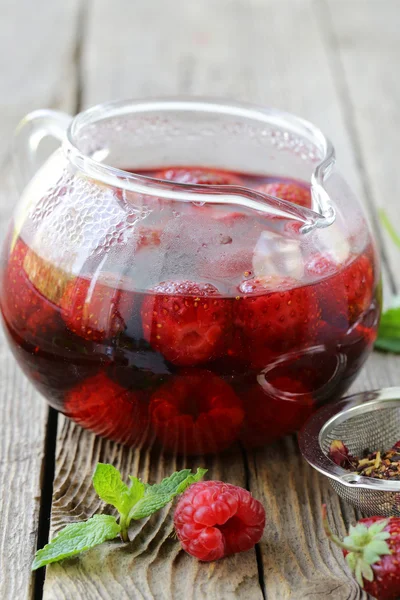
column 193, row 365
column 189, row 308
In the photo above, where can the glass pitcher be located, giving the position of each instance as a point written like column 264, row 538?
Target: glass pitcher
column 187, row 274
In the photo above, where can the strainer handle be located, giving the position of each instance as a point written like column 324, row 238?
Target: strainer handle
column 31, row 131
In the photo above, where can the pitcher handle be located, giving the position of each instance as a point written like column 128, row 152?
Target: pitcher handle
column 28, row 136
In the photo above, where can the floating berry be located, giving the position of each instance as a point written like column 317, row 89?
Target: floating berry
column 199, row 176
column 346, row 292
column 358, row 280
column 25, row 308
column 108, row 409
column 97, row 309
column 196, row 412
column 214, row 519
column 291, row 192
column 187, row 322
column 273, row 414
column 274, row 319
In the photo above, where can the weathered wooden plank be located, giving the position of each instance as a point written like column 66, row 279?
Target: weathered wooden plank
column 152, row 565
column 261, row 51
column 368, row 48
column 36, row 60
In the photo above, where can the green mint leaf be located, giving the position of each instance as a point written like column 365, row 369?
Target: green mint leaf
column 389, row 329
column 76, row 538
column 136, row 490
column 108, row 484
column 158, row 495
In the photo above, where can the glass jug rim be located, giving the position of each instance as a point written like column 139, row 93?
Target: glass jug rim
column 229, row 194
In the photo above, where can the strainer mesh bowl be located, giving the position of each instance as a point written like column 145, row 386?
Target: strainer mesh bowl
column 360, row 425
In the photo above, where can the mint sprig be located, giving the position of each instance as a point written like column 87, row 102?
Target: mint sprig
column 158, row 495
column 133, row 502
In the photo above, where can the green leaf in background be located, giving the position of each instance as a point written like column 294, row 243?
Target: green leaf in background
column 389, row 227
column 158, row 495
column 389, row 329
column 76, row 538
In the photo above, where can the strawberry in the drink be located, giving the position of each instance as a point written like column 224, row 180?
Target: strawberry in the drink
column 183, row 330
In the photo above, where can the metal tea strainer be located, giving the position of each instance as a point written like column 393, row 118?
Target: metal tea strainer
column 365, row 420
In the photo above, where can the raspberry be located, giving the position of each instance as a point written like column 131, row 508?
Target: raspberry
column 196, row 412
column 270, row 417
column 214, row 519
column 107, row 409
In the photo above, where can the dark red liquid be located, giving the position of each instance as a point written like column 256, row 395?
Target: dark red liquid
column 192, row 367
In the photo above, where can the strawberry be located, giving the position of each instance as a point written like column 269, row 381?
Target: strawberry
column 196, row 412
column 358, row 279
column 272, row 414
column 291, row 192
column 199, row 176
column 107, row 409
column 25, row 308
column 330, row 291
column 275, row 317
column 372, row 551
column 345, row 292
column 96, row 309
column 187, row 322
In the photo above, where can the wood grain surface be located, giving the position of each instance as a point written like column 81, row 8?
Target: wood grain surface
column 366, row 48
column 325, row 60
column 36, row 70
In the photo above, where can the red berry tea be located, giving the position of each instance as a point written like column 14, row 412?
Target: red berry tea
column 193, row 329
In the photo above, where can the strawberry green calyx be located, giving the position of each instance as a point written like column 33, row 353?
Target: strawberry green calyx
column 364, row 546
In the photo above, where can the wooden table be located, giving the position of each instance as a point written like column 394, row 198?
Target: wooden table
column 334, row 62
